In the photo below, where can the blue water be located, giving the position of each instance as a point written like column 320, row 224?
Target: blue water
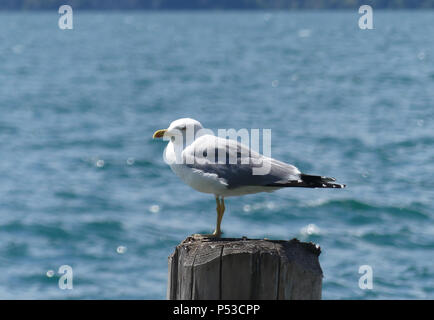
column 80, row 175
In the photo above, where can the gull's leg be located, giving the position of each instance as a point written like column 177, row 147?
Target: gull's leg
column 220, row 210
column 220, row 213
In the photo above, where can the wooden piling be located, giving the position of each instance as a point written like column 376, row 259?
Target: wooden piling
column 248, row 269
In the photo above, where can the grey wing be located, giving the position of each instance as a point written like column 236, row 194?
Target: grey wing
column 237, row 164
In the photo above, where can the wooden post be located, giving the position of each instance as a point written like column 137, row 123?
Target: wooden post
column 207, row 268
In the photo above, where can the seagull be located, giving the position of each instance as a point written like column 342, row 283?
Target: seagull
column 226, row 168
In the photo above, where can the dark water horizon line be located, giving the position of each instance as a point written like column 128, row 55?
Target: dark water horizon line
column 235, row 10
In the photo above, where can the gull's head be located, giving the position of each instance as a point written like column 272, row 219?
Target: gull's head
column 181, row 128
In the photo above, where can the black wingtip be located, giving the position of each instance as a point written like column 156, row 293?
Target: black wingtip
column 320, row 181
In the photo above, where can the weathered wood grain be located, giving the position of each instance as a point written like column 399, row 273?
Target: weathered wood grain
column 207, row 268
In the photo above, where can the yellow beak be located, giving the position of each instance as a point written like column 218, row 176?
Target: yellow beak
column 159, row 133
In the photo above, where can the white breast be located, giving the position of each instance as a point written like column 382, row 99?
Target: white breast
column 197, row 179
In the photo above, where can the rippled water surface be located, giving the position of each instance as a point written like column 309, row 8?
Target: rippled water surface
column 83, row 183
